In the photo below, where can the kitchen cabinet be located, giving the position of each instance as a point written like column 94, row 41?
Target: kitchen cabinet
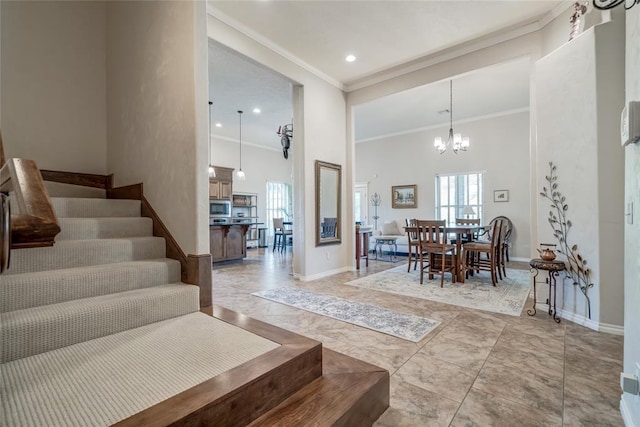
column 228, row 242
column 221, row 186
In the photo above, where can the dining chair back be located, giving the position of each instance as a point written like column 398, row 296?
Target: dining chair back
column 413, row 242
column 473, row 251
column 436, row 253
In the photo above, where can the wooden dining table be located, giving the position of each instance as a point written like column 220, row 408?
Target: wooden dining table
column 460, row 231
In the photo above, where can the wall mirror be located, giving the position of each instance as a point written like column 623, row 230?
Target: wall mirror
column 328, row 220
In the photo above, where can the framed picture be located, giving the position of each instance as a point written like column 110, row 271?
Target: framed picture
column 404, row 196
column 500, row 195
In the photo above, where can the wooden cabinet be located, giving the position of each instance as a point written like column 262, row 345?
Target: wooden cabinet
column 220, row 187
column 227, row 242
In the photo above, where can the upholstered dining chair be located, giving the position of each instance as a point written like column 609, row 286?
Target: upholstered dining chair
column 280, row 234
column 439, row 254
column 414, row 244
column 472, row 254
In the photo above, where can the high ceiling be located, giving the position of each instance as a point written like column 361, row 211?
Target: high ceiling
column 383, row 35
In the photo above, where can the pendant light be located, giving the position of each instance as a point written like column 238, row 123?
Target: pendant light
column 212, row 170
column 240, row 174
column 456, row 141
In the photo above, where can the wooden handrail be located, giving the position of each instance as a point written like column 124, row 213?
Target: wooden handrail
column 34, row 224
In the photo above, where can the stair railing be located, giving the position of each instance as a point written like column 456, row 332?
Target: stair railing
column 34, row 223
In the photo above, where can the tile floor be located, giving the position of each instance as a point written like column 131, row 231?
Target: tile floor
column 475, row 369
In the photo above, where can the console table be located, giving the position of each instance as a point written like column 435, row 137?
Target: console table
column 553, row 269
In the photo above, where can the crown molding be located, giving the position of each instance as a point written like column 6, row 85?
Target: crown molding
column 445, row 124
column 221, row 16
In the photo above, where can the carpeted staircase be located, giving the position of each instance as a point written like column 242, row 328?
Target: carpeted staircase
column 99, row 327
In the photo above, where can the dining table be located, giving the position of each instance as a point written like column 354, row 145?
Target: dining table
column 460, row 231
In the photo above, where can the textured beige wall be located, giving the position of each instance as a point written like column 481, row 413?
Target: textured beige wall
column 154, row 130
column 579, row 96
column 54, row 84
column 632, row 231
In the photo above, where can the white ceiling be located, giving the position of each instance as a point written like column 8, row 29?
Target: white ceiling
column 383, row 35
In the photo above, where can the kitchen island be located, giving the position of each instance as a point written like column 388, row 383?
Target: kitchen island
column 228, row 240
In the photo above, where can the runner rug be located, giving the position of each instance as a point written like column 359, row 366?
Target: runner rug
column 507, row 297
column 401, row 325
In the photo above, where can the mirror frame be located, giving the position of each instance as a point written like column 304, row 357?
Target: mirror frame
column 320, row 165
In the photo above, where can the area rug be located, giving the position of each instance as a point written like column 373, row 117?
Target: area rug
column 401, row 325
column 507, row 297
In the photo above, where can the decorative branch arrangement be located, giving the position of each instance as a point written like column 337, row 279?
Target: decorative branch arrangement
column 578, row 270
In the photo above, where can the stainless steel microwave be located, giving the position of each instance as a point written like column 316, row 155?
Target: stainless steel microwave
column 219, row 208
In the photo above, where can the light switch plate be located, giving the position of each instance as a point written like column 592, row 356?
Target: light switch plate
column 629, row 383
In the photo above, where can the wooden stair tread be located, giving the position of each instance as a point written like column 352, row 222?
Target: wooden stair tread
column 350, row 392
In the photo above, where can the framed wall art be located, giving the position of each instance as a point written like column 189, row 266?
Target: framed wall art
column 404, row 196
column 500, row 195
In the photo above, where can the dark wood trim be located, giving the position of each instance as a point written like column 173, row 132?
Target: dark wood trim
column 36, row 224
column 133, row 192
column 84, row 179
column 1, row 150
column 199, row 273
column 242, row 394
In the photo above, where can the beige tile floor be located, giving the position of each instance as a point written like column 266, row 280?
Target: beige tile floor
column 475, row 369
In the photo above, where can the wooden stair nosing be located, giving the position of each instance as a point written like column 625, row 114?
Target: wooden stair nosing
column 256, row 386
column 341, row 397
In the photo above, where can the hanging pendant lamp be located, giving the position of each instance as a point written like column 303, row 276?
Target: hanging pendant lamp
column 240, row 174
column 212, row 170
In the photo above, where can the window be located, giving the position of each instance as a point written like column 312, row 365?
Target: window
column 279, row 203
column 455, row 192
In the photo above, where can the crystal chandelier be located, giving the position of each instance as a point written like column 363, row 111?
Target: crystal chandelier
column 456, row 141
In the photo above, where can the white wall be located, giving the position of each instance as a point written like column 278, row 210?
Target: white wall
column 319, row 120
column 499, row 147
column 156, row 133
column 631, row 404
column 573, row 130
column 54, row 84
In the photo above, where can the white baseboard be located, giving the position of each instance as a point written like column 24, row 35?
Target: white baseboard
column 626, row 412
column 589, row 323
column 323, row 274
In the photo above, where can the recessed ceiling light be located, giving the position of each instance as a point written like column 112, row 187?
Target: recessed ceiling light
column 350, row 58
column 256, row 110
column 218, row 125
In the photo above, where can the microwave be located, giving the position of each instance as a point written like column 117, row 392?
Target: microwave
column 219, row 208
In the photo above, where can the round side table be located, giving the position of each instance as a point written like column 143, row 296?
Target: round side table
column 553, row 269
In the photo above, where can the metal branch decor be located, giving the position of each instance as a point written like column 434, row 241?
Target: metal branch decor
column 578, row 270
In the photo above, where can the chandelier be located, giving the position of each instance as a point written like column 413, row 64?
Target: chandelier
column 456, row 141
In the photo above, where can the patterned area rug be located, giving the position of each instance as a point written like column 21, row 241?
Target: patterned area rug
column 401, row 325
column 508, row 297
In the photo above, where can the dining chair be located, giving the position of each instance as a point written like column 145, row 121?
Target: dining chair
column 414, row 244
column 280, row 234
column 433, row 244
column 329, row 227
column 473, row 251
column 505, row 237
